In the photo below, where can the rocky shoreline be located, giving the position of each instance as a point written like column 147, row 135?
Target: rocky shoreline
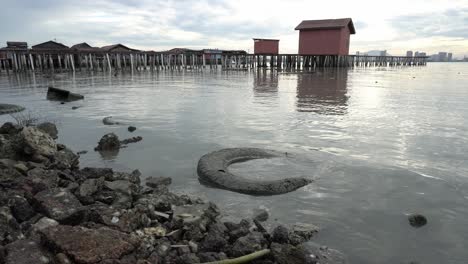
column 53, row 211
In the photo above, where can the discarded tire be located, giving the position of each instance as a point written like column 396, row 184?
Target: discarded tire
column 9, row 108
column 213, row 169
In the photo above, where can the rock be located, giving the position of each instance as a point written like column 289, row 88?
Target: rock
column 288, row 254
column 59, row 204
column 9, row 227
column 10, row 129
column 26, row 252
column 21, row 168
column 57, row 94
column 417, row 220
column 39, row 179
column 44, row 223
column 131, row 140
column 82, row 152
column 154, row 182
column 211, row 256
column 86, row 246
column 37, row 143
column 325, row 255
column 108, row 121
column 248, row 244
column 62, row 259
column 188, row 259
column 213, row 242
column 9, row 148
column 21, row 209
column 88, row 188
column 2, row 255
column 75, row 107
column 94, row 173
column 306, row 231
column 49, row 128
column 133, row 177
column 261, row 215
column 108, row 142
column 280, row 235
column 131, row 128
column 122, row 186
column 65, row 159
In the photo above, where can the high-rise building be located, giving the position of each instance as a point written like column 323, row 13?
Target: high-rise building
column 409, row 53
column 442, row 56
column 449, row 57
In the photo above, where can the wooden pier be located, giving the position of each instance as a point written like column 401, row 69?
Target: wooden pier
column 72, row 61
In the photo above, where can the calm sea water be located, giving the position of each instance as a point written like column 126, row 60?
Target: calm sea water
column 380, row 143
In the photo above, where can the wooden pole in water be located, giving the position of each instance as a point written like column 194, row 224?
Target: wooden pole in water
column 108, row 62
column 32, row 61
column 72, row 62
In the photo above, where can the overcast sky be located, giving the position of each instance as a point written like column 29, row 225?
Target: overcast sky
column 397, row 25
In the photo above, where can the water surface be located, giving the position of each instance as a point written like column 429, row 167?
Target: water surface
column 380, row 143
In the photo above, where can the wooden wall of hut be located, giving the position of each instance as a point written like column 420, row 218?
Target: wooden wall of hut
column 154, row 61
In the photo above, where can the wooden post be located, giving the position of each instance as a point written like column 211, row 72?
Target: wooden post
column 108, row 62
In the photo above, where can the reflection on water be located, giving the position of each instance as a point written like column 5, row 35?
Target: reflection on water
column 265, row 82
column 323, row 92
column 346, row 129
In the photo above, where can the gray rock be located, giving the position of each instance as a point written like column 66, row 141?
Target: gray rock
column 280, row 235
column 306, row 231
column 9, row 227
column 325, row 255
column 122, row 186
column 88, row 246
column 94, row 173
column 213, row 242
column 10, row 128
column 261, row 215
column 21, row 209
column 133, row 177
column 26, row 252
column 49, row 128
column 37, row 143
column 154, row 182
column 131, row 128
column 60, row 205
column 62, row 259
column 39, row 179
column 2, row 255
column 44, row 223
column 108, row 142
column 417, row 220
column 21, row 168
column 65, row 159
column 248, row 244
column 288, row 254
column 88, row 188
column 211, row 256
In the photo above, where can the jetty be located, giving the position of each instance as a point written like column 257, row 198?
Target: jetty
column 69, row 60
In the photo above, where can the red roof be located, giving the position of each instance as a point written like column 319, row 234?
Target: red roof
column 327, row 24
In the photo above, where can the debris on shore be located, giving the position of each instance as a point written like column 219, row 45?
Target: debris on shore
column 60, row 213
column 57, row 94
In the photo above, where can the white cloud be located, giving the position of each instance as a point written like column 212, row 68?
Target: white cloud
column 396, row 25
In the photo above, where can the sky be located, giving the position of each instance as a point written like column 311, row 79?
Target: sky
column 396, row 26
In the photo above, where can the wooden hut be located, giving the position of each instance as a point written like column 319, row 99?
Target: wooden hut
column 325, row 37
column 50, row 46
column 117, row 48
column 266, row 46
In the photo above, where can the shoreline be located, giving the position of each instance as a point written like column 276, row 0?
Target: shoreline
column 61, row 213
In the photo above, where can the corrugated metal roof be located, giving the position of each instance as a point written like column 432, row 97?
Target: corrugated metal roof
column 327, row 24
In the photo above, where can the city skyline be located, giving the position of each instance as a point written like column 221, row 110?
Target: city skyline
column 429, row 26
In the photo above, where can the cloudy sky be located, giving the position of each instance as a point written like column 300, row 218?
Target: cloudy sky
column 397, row 25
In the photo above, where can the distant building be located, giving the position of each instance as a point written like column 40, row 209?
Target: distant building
column 325, row 37
column 15, row 46
column 449, row 57
column 266, row 46
column 117, row 48
column 50, row 46
column 422, row 54
column 383, row 53
column 409, row 53
column 84, row 47
column 442, row 56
